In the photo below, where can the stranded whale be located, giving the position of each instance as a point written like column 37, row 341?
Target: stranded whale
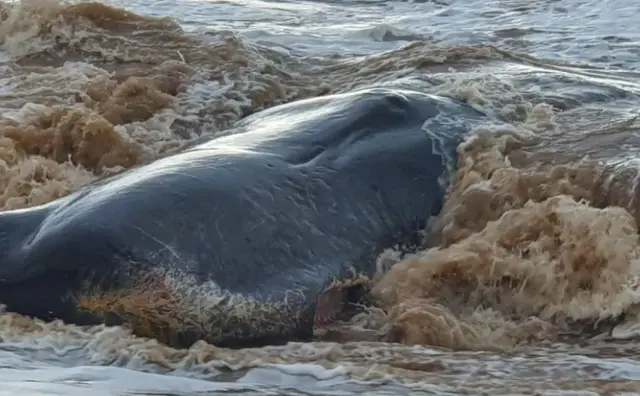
column 237, row 240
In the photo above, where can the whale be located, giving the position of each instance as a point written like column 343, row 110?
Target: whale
column 252, row 238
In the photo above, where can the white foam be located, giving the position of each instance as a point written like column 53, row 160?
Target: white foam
column 629, row 329
column 296, row 376
column 103, row 381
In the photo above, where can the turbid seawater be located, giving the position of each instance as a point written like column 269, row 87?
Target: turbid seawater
column 533, row 286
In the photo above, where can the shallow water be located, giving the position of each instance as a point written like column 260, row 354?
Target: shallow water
column 539, row 253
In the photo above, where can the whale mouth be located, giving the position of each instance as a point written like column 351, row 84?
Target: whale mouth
column 334, row 304
column 329, row 304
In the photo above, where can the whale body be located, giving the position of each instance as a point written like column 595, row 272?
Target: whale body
column 235, row 240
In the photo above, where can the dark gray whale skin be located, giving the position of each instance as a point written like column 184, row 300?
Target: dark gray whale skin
column 299, row 195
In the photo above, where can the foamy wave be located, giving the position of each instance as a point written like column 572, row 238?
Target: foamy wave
column 522, row 254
